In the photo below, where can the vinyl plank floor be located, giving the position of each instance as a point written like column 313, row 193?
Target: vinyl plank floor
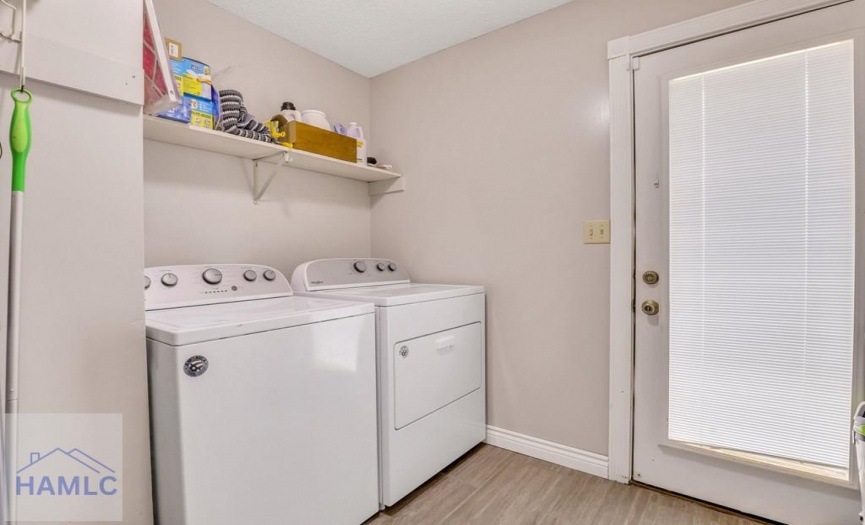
column 493, row 486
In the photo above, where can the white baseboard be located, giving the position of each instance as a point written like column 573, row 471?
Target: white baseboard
column 563, row 455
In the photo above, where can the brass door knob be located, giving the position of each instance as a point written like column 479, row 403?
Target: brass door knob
column 651, row 277
column 650, row 307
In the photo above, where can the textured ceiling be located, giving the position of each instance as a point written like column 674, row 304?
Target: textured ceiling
column 374, row 36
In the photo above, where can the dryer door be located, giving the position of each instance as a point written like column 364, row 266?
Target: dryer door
column 434, row 370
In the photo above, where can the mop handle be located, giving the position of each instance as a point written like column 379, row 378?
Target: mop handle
column 19, row 137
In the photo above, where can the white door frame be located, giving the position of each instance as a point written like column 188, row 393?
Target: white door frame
column 623, row 55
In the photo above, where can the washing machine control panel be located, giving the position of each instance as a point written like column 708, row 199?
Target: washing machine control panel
column 329, row 274
column 190, row 285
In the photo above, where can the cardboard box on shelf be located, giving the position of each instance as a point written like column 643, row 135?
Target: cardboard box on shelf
column 202, row 112
column 193, row 110
column 193, row 77
column 321, row 141
column 193, row 81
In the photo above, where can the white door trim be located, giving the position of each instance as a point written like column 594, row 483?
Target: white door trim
column 623, row 55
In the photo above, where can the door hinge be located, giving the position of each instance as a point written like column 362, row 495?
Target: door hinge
column 635, row 63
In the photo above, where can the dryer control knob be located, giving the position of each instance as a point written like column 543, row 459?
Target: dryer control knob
column 391, row 267
column 250, row 275
column 212, row 276
column 381, row 267
column 269, row 275
column 146, row 282
column 360, row 266
column 169, row 279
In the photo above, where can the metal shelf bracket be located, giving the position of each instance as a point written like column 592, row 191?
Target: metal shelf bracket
column 258, row 187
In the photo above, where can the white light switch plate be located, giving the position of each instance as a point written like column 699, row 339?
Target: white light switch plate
column 596, row 232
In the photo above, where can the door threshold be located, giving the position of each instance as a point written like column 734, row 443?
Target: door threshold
column 702, row 503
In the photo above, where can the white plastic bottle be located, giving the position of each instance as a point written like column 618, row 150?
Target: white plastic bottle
column 356, row 132
column 290, row 112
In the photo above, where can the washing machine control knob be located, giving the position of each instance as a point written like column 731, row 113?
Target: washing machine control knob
column 391, row 267
column 381, row 267
column 269, row 275
column 169, row 279
column 146, row 282
column 250, row 275
column 212, row 276
column 360, row 266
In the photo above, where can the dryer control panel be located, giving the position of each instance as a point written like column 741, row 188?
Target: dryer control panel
column 191, row 285
column 330, row 274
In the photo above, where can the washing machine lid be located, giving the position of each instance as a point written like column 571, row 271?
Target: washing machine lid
column 400, row 294
column 197, row 324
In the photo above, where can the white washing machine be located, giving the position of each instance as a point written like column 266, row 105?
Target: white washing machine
column 431, row 362
column 263, row 404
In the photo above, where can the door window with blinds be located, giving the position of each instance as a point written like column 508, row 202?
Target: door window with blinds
column 761, row 246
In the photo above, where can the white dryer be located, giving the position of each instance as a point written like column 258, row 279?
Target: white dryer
column 431, row 362
column 263, row 404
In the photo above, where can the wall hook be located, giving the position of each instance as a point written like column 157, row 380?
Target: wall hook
column 12, row 34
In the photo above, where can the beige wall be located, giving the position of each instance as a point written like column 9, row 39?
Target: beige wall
column 82, row 306
column 198, row 206
column 82, row 317
column 504, row 143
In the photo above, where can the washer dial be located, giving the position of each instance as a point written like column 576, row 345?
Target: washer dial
column 392, row 266
column 250, row 275
column 360, row 266
column 146, row 282
column 269, row 275
column 212, row 276
column 169, row 279
column 381, row 267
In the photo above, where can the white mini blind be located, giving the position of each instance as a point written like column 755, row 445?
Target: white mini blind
column 762, row 222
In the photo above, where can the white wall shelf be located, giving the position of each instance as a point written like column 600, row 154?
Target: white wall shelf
column 163, row 130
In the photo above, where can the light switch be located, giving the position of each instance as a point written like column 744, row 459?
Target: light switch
column 596, row 232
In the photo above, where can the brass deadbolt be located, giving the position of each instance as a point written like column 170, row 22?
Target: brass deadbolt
column 651, row 307
column 651, row 277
